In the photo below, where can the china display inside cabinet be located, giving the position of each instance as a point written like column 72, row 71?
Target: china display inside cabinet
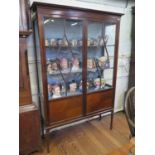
column 100, row 55
column 76, row 53
column 63, row 57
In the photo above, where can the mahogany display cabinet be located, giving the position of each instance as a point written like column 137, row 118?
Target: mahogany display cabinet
column 76, row 53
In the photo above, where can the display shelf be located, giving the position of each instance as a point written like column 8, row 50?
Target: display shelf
column 106, row 87
column 110, row 45
column 63, row 95
column 91, row 46
column 68, row 71
column 63, row 46
column 95, row 69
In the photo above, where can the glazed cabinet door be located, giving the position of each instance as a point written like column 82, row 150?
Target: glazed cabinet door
column 62, row 62
column 24, row 83
column 100, row 65
column 63, row 43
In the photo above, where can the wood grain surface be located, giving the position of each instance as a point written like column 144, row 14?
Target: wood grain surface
column 90, row 138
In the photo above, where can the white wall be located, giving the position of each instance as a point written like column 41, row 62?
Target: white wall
column 125, row 44
column 124, row 51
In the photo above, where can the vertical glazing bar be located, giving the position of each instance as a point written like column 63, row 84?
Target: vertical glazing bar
column 84, row 71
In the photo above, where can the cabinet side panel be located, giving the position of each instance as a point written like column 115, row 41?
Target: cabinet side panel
column 38, row 67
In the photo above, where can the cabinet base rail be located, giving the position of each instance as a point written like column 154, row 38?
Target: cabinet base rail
column 49, row 130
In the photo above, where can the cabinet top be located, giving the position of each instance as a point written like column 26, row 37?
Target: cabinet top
column 95, row 8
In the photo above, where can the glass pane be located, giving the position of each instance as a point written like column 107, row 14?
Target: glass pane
column 100, row 57
column 37, row 46
column 63, row 42
column 38, row 61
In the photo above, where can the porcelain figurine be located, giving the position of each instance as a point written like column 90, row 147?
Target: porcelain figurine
column 60, row 42
column 100, row 41
column 88, row 42
column 56, row 91
column 80, row 86
column 74, row 43
column 72, row 87
column 50, row 90
column 88, row 85
column 49, row 69
column 97, row 83
column 102, row 61
column 103, row 82
column 75, row 64
column 95, row 43
column 90, row 64
column 64, row 63
column 79, row 42
column 63, row 42
column 52, row 67
column 46, row 42
column 91, row 42
column 53, row 42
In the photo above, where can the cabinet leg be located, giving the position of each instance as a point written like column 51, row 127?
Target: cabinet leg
column 100, row 117
column 42, row 126
column 111, row 123
column 48, row 142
